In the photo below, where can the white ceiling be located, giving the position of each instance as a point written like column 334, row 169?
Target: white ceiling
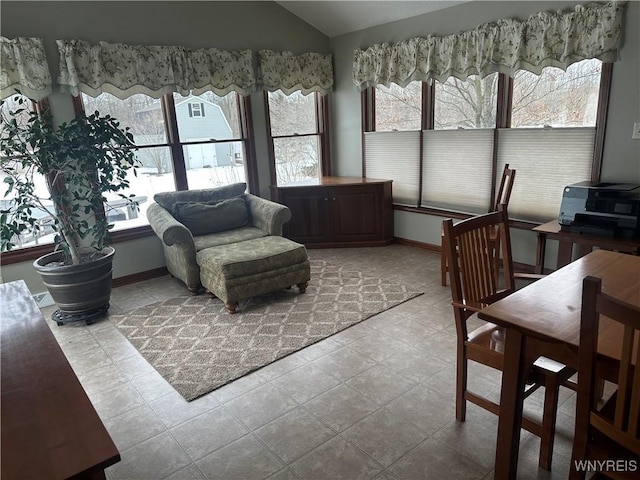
column 335, row 18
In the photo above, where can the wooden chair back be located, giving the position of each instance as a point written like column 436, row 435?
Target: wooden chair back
column 505, row 187
column 502, row 198
column 478, row 249
column 623, row 428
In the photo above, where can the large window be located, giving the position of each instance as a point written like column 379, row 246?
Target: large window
column 204, row 147
column 543, row 125
column 182, row 143
column 298, row 136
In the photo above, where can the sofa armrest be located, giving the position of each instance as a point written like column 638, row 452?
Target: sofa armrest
column 267, row 215
column 170, row 230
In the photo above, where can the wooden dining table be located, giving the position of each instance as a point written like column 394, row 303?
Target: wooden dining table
column 543, row 318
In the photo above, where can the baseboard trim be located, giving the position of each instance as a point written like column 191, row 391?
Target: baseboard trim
column 140, row 276
column 417, row 244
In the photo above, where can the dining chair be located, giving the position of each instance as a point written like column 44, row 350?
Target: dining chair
column 502, row 198
column 481, row 272
column 612, row 431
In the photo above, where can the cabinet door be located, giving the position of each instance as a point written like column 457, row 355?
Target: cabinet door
column 309, row 214
column 356, row 213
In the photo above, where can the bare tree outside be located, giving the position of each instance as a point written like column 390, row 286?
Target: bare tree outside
column 466, row 104
column 295, row 136
column 557, row 98
column 554, row 98
column 398, row 108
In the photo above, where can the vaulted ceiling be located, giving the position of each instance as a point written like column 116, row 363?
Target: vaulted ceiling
column 335, row 18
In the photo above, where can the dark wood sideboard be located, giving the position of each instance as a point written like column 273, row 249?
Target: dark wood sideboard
column 50, row 429
column 338, row 212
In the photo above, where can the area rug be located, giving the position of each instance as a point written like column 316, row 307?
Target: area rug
column 197, row 346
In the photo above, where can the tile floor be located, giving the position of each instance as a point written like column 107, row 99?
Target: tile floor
column 375, row 401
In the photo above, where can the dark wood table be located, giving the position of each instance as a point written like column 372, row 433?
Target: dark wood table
column 543, row 318
column 50, row 429
column 566, row 239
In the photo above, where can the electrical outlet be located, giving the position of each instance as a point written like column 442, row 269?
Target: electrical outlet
column 636, row 131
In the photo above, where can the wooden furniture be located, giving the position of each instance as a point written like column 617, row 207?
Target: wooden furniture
column 504, row 194
column 585, row 243
column 49, row 426
column 338, row 212
column 475, row 247
column 543, row 318
column 599, row 433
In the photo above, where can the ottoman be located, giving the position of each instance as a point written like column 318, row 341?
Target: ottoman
column 241, row 270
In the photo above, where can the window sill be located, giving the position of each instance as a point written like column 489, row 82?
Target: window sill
column 31, row 253
column 522, row 224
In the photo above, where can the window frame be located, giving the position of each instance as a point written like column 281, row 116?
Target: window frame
column 321, row 103
column 178, row 163
column 503, row 120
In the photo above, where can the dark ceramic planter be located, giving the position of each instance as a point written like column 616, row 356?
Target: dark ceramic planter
column 82, row 291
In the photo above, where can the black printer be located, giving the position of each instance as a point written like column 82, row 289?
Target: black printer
column 607, row 209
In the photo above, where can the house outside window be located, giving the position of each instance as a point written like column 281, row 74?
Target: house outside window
column 298, row 140
column 542, row 125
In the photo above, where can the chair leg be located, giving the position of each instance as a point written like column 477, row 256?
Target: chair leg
column 461, row 385
column 302, row 287
column 443, row 267
column 231, row 307
column 549, row 415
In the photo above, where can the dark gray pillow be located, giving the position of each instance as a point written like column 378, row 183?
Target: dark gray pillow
column 168, row 200
column 203, row 218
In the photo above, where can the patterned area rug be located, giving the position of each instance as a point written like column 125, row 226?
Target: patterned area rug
column 197, row 346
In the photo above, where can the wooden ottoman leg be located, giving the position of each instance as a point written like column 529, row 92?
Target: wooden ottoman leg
column 231, row 307
column 303, row 286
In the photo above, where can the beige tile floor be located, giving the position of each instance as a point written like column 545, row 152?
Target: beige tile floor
column 373, row 401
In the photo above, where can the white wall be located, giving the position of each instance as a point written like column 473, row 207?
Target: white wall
column 622, row 154
column 224, row 25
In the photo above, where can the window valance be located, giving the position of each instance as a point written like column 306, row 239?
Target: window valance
column 24, row 68
column 124, row 70
column 308, row 72
column 545, row 39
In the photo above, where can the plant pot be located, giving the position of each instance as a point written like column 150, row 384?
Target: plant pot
column 81, row 291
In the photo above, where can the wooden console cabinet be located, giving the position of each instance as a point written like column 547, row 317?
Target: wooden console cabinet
column 338, row 212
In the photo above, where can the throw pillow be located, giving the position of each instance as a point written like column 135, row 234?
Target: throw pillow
column 204, row 218
column 167, row 200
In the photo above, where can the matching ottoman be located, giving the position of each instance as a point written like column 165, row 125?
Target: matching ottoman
column 241, row 270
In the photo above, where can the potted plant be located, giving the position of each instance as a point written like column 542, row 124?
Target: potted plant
column 81, row 162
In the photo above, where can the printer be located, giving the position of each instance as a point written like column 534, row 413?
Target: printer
column 606, row 209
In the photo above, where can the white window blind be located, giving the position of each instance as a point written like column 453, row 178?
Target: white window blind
column 457, row 169
column 546, row 160
column 395, row 156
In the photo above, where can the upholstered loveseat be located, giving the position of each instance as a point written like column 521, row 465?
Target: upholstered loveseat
column 228, row 241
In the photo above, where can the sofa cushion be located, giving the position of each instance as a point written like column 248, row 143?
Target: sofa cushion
column 203, row 218
column 230, row 236
column 167, row 200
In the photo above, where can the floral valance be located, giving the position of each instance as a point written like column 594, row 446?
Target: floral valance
column 24, row 68
column 124, row 70
column 308, row 72
column 545, row 39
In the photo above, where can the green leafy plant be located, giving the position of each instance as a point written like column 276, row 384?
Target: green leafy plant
column 81, row 161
